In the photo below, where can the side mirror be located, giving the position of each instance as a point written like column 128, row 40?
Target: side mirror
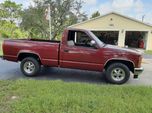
column 93, row 43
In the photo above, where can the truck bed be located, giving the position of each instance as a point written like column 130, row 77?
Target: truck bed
column 47, row 50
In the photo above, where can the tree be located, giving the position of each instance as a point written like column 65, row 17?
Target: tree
column 10, row 10
column 95, row 14
column 34, row 22
column 63, row 14
column 10, row 30
column 81, row 16
column 9, row 13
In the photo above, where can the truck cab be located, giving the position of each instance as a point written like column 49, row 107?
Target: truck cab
column 80, row 49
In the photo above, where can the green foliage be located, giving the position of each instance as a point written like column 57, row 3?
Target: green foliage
column 18, row 33
column 10, row 10
column 63, row 14
column 10, row 30
column 95, row 14
column 4, row 34
column 31, row 96
column 6, row 29
column 9, row 13
column 34, row 22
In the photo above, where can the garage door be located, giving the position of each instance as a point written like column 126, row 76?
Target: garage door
column 136, row 39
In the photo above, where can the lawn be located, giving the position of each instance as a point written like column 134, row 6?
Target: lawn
column 31, row 96
column 149, row 52
column 1, row 53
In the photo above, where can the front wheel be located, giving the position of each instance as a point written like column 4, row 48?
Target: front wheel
column 30, row 67
column 117, row 73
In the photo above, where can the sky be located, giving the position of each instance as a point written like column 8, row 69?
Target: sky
column 131, row 8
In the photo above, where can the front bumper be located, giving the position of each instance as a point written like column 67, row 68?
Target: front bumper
column 138, row 71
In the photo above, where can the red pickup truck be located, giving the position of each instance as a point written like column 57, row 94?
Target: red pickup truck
column 79, row 49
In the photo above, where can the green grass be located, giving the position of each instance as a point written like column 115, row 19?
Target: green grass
column 1, row 52
column 31, row 96
column 149, row 52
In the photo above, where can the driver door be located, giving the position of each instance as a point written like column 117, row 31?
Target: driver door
column 80, row 54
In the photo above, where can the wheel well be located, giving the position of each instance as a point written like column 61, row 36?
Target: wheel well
column 129, row 64
column 25, row 55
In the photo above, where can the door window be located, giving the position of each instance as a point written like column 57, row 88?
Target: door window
column 78, row 38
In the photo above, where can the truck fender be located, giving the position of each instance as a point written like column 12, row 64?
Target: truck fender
column 120, row 60
column 28, row 52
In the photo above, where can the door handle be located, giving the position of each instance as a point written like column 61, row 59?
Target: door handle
column 66, row 50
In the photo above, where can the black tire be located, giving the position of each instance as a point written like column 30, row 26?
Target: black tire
column 34, row 63
column 117, row 73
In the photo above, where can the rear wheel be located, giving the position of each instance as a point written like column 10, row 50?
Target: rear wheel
column 30, row 67
column 117, row 73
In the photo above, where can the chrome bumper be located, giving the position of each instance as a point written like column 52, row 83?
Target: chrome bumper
column 138, row 71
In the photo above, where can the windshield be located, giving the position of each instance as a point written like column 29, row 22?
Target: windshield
column 97, row 39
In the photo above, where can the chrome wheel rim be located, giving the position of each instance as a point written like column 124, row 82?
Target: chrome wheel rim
column 29, row 67
column 118, row 74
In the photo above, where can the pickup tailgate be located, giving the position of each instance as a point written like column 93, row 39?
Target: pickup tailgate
column 46, row 51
